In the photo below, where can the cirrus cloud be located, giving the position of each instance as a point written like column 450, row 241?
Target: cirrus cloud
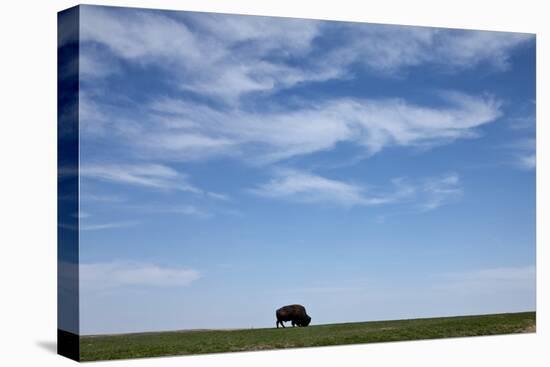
column 109, row 275
column 372, row 124
column 150, row 175
column 199, row 49
column 305, row 187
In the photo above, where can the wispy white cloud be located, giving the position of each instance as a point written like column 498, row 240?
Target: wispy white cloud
column 522, row 123
column 467, row 49
column 110, row 275
column 150, row 175
column 99, row 226
column 137, row 35
column 268, row 33
column 440, row 191
column 181, row 209
column 88, row 196
column 526, row 153
column 187, row 145
column 91, row 65
column 390, row 49
column 528, row 161
column 310, row 188
column 522, row 153
column 186, row 210
column 199, row 49
column 198, row 131
column 303, row 187
column 524, row 148
column 218, row 196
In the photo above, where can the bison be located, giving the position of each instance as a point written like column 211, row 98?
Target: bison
column 294, row 313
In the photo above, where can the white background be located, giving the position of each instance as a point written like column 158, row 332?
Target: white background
column 28, row 183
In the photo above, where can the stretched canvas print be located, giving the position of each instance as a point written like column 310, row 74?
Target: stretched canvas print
column 242, row 183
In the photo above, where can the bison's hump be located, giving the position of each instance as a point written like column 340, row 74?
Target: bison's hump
column 292, row 308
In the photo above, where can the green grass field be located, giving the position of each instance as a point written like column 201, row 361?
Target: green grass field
column 215, row 341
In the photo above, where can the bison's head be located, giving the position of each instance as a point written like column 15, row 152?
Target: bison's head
column 306, row 321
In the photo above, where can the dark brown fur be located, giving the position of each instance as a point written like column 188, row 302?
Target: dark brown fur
column 294, row 313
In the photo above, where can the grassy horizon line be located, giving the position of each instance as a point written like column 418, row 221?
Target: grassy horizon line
column 202, row 341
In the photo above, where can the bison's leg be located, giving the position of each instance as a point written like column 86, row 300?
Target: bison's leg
column 293, row 323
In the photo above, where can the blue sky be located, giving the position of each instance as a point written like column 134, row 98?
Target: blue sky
column 233, row 164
